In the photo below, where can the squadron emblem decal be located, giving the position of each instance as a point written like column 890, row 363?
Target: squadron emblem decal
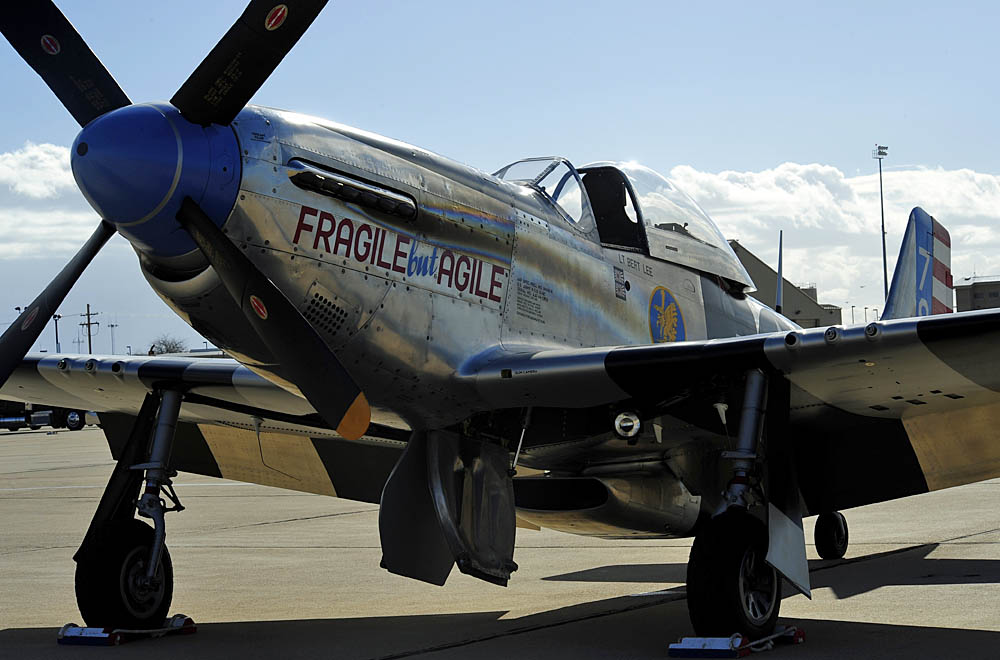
column 276, row 17
column 666, row 322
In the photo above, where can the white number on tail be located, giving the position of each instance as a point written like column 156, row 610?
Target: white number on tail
column 923, row 305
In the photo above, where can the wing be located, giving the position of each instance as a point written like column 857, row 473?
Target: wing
column 874, row 412
column 225, row 404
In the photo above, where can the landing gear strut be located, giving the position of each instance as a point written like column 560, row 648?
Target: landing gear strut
column 730, row 586
column 831, row 535
column 124, row 576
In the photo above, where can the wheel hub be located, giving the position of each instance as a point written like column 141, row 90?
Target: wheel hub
column 140, row 594
column 758, row 587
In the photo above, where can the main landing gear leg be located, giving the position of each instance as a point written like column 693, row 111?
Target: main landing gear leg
column 730, row 587
column 124, row 578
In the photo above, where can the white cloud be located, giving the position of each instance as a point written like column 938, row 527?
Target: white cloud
column 974, row 234
column 44, row 233
column 832, row 221
column 42, row 213
column 37, row 170
column 792, row 195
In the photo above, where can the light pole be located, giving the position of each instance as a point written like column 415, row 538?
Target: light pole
column 112, row 326
column 878, row 153
column 866, row 315
column 852, row 314
column 55, row 319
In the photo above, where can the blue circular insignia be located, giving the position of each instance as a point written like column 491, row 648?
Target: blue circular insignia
column 666, row 322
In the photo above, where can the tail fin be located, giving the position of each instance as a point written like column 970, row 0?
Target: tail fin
column 921, row 283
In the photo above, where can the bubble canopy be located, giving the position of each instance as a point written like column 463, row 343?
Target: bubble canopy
column 677, row 229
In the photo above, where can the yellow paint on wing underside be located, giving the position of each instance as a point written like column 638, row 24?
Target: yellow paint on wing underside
column 956, row 447
column 280, row 460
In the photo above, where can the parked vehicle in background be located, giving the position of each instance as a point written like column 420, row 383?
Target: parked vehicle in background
column 15, row 416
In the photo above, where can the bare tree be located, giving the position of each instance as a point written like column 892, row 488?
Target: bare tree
column 167, row 344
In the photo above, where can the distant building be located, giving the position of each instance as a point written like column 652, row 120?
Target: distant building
column 799, row 304
column 979, row 293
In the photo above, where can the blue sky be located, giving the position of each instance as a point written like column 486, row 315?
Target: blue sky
column 765, row 112
column 741, row 86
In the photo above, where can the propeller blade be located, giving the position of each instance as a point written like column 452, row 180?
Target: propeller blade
column 303, row 355
column 239, row 64
column 40, row 34
column 16, row 341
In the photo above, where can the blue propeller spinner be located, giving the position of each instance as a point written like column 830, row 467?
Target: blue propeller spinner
column 135, row 165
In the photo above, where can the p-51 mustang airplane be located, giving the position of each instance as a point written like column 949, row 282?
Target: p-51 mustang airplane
column 408, row 330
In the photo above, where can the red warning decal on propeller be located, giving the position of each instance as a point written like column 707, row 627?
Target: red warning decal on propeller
column 276, row 17
column 29, row 319
column 50, row 44
column 258, row 307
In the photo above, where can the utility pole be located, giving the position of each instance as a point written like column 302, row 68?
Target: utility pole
column 878, row 154
column 111, row 327
column 89, row 324
column 55, row 319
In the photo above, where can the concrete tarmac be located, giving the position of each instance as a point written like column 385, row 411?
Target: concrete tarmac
column 271, row 573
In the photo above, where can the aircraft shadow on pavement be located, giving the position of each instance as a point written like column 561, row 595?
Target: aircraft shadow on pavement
column 626, row 573
column 914, row 567
column 385, row 637
column 613, row 628
column 846, row 578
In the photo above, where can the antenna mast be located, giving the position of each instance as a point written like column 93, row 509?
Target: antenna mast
column 778, row 291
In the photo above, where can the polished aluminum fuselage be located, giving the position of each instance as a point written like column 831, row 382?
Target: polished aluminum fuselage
column 406, row 304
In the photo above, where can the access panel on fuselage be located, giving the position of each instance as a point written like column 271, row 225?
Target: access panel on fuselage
column 567, row 291
column 561, row 291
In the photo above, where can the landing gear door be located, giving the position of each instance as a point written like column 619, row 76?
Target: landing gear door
column 449, row 500
column 786, row 548
column 473, row 496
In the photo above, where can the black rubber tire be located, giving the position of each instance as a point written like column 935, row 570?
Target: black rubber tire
column 103, row 591
column 78, row 423
column 831, row 535
column 715, row 602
